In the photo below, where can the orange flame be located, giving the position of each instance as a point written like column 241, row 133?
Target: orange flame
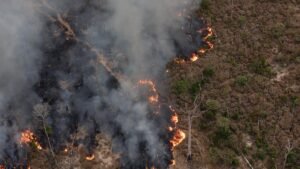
column 201, row 51
column 153, row 98
column 174, row 119
column 179, row 61
column 195, row 56
column 209, row 33
column 173, row 162
column 90, row 158
column 179, row 135
column 27, row 136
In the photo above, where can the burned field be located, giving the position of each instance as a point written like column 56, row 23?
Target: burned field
column 91, row 68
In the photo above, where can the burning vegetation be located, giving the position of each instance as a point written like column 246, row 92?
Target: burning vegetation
column 204, row 34
column 89, row 79
column 27, row 137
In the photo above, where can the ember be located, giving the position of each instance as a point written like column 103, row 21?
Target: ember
column 194, row 57
column 28, row 137
column 90, row 157
column 178, row 135
column 204, row 35
column 153, row 98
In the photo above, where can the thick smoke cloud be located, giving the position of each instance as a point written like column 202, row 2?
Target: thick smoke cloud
column 142, row 26
column 19, row 63
column 40, row 65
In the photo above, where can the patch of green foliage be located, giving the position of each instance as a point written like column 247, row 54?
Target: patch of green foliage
column 205, row 5
column 277, row 30
column 222, row 133
column 264, row 150
column 208, row 72
column 297, row 58
column 49, row 130
column 295, row 101
column 293, row 159
column 224, row 156
column 241, row 81
column 212, row 105
column 33, row 146
column 195, row 88
column 235, row 116
column 181, row 86
column 241, row 20
column 260, row 154
column 190, row 87
column 260, row 66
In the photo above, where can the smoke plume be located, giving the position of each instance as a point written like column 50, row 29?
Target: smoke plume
column 20, row 58
column 52, row 74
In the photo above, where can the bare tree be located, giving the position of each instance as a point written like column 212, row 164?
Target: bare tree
column 247, row 161
column 191, row 115
column 41, row 111
column 289, row 147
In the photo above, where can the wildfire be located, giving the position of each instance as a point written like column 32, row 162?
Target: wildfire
column 208, row 32
column 27, row 136
column 201, row 51
column 90, row 157
column 194, row 57
column 179, row 135
column 173, row 162
column 2, row 167
column 174, row 119
column 153, row 98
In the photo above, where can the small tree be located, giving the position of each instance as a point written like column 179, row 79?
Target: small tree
column 41, row 112
column 289, row 148
column 191, row 115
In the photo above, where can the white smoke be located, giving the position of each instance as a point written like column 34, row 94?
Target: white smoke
column 20, row 56
column 136, row 34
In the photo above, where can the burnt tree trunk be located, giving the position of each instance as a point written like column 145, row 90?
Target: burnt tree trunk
column 191, row 115
column 189, row 155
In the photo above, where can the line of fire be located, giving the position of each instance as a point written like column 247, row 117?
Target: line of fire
column 60, row 128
